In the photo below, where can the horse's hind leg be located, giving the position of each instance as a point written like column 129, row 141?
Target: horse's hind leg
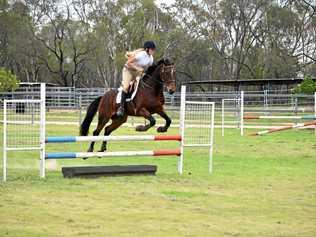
column 117, row 122
column 96, row 132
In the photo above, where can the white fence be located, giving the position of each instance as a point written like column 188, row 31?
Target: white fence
column 238, row 110
column 66, row 104
column 73, row 98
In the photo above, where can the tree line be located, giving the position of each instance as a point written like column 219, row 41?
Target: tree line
column 82, row 43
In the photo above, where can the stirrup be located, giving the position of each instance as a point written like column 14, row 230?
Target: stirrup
column 120, row 111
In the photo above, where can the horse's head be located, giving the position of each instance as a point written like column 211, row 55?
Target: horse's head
column 167, row 74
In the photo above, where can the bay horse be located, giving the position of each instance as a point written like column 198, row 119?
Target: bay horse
column 149, row 99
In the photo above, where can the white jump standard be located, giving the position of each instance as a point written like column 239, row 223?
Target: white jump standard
column 240, row 109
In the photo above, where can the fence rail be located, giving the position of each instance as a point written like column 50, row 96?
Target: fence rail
column 74, row 98
column 68, row 105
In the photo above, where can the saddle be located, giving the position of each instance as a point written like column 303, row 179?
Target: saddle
column 132, row 90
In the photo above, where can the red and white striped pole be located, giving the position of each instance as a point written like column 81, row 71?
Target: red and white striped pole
column 300, row 125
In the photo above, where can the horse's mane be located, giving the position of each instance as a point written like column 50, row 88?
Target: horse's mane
column 150, row 70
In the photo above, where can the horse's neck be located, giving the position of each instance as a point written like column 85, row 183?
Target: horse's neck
column 153, row 83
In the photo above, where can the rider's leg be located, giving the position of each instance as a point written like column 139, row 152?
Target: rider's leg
column 127, row 77
column 121, row 109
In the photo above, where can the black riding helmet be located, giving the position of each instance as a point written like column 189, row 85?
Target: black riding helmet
column 149, row 45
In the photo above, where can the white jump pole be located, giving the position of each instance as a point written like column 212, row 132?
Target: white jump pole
column 112, row 154
column 182, row 128
column 210, row 169
column 112, row 138
column 279, row 117
column 5, row 142
column 299, row 125
column 42, row 129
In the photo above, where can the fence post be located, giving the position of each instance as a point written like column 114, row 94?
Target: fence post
column 79, row 108
column 295, row 105
column 223, row 119
column 265, row 102
column 32, row 112
column 242, row 113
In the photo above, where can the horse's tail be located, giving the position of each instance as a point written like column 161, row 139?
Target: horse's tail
column 91, row 111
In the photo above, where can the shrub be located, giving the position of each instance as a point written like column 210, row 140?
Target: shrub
column 308, row 86
column 8, row 81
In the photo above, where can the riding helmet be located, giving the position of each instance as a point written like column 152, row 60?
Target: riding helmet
column 149, row 45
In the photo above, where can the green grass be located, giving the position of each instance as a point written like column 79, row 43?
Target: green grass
column 261, row 186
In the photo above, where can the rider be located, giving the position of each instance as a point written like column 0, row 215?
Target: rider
column 137, row 61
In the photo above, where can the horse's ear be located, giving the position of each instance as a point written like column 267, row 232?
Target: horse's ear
column 167, row 61
column 161, row 61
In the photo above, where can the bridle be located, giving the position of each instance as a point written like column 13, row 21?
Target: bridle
column 164, row 73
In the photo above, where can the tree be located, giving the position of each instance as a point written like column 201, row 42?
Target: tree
column 83, row 42
column 8, row 81
column 17, row 43
column 231, row 28
column 65, row 51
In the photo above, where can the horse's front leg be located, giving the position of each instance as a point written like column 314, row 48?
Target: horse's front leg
column 152, row 121
column 167, row 119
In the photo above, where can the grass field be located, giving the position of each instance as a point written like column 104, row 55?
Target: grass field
column 261, row 186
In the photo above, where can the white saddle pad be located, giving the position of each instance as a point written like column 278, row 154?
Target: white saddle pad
column 119, row 94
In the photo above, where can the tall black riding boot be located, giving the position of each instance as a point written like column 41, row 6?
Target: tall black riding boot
column 121, row 110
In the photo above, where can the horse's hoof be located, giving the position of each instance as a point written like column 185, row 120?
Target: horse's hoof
column 162, row 129
column 140, row 128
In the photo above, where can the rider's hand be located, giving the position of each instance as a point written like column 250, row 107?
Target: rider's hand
column 140, row 70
